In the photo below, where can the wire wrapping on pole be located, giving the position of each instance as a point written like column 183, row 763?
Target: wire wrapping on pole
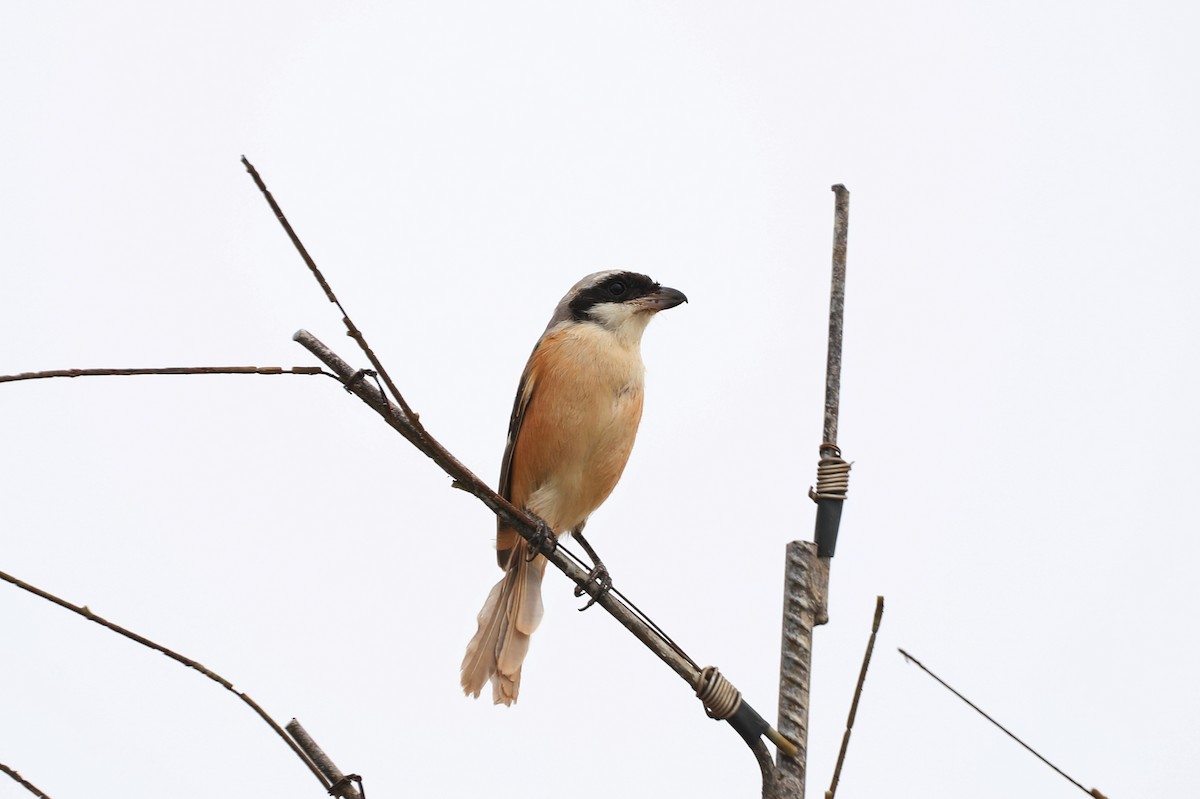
column 720, row 699
column 833, row 476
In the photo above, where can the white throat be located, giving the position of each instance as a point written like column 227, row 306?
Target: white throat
column 625, row 321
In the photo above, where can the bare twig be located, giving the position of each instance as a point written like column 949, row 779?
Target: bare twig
column 520, row 520
column 351, row 329
column 83, row 610
column 1094, row 792
column 171, row 370
column 862, row 678
column 26, row 784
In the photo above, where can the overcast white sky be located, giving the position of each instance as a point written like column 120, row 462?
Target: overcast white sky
column 1020, row 385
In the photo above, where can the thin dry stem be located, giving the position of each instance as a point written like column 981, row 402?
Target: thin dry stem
column 862, row 678
column 170, row 370
column 24, row 783
column 84, row 611
column 351, row 329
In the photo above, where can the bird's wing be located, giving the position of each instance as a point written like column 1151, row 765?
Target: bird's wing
column 507, row 538
column 520, row 405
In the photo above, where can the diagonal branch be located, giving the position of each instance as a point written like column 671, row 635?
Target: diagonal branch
column 351, row 329
column 84, row 611
column 858, row 689
column 24, row 783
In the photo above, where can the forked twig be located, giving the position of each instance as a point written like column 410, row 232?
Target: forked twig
column 83, row 610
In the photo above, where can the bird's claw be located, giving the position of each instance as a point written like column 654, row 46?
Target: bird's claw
column 543, row 538
column 601, row 578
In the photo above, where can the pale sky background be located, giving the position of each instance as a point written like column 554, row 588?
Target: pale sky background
column 1020, row 388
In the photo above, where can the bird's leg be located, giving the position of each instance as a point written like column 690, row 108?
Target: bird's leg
column 543, row 538
column 599, row 573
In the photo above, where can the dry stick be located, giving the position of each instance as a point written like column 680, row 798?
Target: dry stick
column 90, row 616
column 512, row 516
column 862, row 678
column 351, row 329
column 1094, row 792
column 171, row 370
column 29, row 786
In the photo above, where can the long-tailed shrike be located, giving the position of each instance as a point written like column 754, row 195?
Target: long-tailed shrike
column 572, row 428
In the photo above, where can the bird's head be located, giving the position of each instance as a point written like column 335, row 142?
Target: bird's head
column 621, row 302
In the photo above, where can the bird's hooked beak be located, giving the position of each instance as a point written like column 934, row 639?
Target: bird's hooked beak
column 661, row 299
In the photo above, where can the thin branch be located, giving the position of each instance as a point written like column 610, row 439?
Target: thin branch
column 466, row 480
column 862, row 678
column 83, row 610
column 1094, row 792
column 26, row 784
column 351, row 329
column 171, row 370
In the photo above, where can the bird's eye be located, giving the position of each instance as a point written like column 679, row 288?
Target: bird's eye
column 616, row 289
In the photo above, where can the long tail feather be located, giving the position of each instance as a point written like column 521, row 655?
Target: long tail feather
column 510, row 615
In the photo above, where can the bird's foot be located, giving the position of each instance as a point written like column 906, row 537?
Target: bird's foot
column 543, row 538
column 599, row 577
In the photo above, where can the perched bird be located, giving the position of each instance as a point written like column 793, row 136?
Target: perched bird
column 573, row 423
